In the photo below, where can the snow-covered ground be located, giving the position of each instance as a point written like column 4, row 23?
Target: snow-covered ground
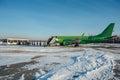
column 62, row 63
column 86, row 65
column 105, row 45
column 16, row 54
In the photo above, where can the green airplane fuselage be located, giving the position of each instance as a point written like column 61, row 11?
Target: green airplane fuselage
column 66, row 40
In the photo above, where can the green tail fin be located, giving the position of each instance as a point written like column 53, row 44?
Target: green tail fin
column 108, row 31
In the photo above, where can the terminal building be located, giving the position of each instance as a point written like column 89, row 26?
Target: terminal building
column 19, row 41
column 114, row 39
column 37, row 42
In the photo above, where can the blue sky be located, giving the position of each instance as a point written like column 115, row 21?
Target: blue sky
column 41, row 19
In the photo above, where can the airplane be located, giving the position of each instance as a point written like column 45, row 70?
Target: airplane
column 69, row 40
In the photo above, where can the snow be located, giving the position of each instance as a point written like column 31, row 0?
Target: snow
column 62, row 63
column 37, row 75
column 101, row 45
column 21, row 77
column 17, row 54
column 83, row 66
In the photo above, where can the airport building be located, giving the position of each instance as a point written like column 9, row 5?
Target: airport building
column 114, row 39
column 38, row 42
column 17, row 41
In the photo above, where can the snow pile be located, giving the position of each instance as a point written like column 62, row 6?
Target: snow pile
column 60, row 63
column 22, row 77
column 86, row 66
